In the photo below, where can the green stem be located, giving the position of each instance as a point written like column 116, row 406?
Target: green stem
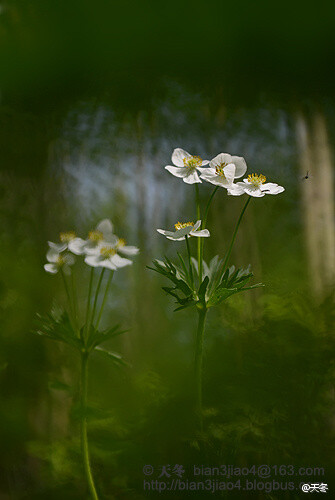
column 74, row 295
column 197, row 202
column 84, row 440
column 88, row 305
column 68, row 298
column 97, row 295
column 198, row 364
column 104, row 299
column 208, row 206
column 234, row 235
column 189, row 260
column 203, row 225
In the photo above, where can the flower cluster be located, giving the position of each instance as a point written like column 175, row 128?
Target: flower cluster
column 102, row 248
column 221, row 171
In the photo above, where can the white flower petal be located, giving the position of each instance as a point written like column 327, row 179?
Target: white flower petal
column 184, row 231
column 108, row 264
column 178, row 156
column 196, row 225
column 52, row 255
column 217, row 180
column 93, row 260
column 59, row 247
column 204, row 162
column 204, row 170
column 165, row 233
column 192, row 177
column 229, row 172
column 128, row 250
column 271, row 188
column 77, row 246
column 51, row 268
column 176, row 238
column 118, row 261
column 177, row 171
column 240, row 164
column 236, row 190
column 253, row 191
column 219, row 159
column 203, row 233
column 69, row 259
column 106, row 227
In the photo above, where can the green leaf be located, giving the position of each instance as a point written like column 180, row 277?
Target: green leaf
column 202, row 290
column 57, row 326
column 219, row 295
column 174, row 274
column 113, row 356
column 97, row 337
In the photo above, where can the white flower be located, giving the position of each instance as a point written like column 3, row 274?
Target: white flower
column 256, row 185
column 65, row 239
column 220, row 176
column 105, row 255
column 186, row 166
column 102, row 233
column 184, row 229
column 58, row 261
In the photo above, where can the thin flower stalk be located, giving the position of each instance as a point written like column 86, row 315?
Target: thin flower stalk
column 189, row 260
column 198, row 365
column 84, row 438
column 104, row 299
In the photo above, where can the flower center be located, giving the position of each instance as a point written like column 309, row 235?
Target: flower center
column 95, row 236
column 219, row 169
column 121, row 243
column 67, row 236
column 256, row 180
column 107, row 252
column 181, row 225
column 192, row 161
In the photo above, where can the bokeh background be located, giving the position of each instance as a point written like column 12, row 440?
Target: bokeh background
column 94, row 98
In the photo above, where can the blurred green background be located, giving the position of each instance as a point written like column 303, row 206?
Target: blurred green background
column 94, row 98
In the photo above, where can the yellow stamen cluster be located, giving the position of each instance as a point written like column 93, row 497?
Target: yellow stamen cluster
column 192, row 161
column 256, row 179
column 219, row 169
column 107, row 252
column 67, row 236
column 95, row 236
column 181, row 225
column 121, row 243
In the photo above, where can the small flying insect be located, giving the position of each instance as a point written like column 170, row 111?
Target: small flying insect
column 306, row 176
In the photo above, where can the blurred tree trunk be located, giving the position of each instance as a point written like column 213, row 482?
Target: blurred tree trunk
column 317, row 195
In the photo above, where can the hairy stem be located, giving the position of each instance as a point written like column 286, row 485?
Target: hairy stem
column 104, row 299
column 97, row 295
column 88, row 305
column 84, row 440
column 234, row 235
column 197, row 202
column 189, row 260
column 72, row 314
column 75, row 300
column 203, row 226
column 198, row 364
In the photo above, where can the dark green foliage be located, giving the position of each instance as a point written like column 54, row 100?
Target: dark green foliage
column 57, row 326
column 216, row 286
